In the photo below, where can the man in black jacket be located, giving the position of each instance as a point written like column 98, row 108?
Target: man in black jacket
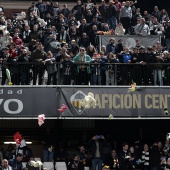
column 96, row 144
column 124, row 158
column 111, row 15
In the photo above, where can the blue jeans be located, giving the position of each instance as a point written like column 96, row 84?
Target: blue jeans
column 158, row 77
column 112, row 22
column 95, row 162
column 48, row 156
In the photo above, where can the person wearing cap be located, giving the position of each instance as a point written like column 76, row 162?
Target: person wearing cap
column 16, row 163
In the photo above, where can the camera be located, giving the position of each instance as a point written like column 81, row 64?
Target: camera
column 97, row 136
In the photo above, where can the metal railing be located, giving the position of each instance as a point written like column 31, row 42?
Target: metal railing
column 110, row 74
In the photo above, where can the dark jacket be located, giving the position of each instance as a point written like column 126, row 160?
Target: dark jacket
column 24, row 60
column 59, row 155
column 111, row 11
column 92, row 144
column 15, row 164
column 75, row 165
column 123, row 161
column 155, row 156
column 41, row 7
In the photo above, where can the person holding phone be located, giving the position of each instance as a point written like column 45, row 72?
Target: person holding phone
column 96, row 146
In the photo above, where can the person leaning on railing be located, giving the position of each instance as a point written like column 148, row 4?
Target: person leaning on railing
column 38, row 56
column 83, row 70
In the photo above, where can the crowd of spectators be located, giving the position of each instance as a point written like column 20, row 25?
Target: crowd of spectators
column 57, row 45
column 98, row 152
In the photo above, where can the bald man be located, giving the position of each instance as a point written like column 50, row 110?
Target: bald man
column 5, row 165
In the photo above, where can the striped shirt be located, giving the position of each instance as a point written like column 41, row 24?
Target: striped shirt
column 145, row 158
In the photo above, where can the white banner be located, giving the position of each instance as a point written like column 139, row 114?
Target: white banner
column 130, row 40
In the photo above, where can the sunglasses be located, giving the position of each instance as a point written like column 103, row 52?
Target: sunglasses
column 82, row 50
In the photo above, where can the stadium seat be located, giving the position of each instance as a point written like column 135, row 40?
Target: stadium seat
column 86, row 168
column 24, row 164
column 61, row 166
column 48, row 165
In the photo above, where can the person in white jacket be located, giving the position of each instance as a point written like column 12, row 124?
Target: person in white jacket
column 119, row 29
column 5, row 40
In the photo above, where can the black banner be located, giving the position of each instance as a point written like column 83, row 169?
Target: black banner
column 116, row 101
column 27, row 102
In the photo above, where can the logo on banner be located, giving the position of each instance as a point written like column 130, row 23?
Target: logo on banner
column 77, row 101
column 7, row 103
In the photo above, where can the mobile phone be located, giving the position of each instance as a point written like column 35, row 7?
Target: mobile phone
column 97, row 136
